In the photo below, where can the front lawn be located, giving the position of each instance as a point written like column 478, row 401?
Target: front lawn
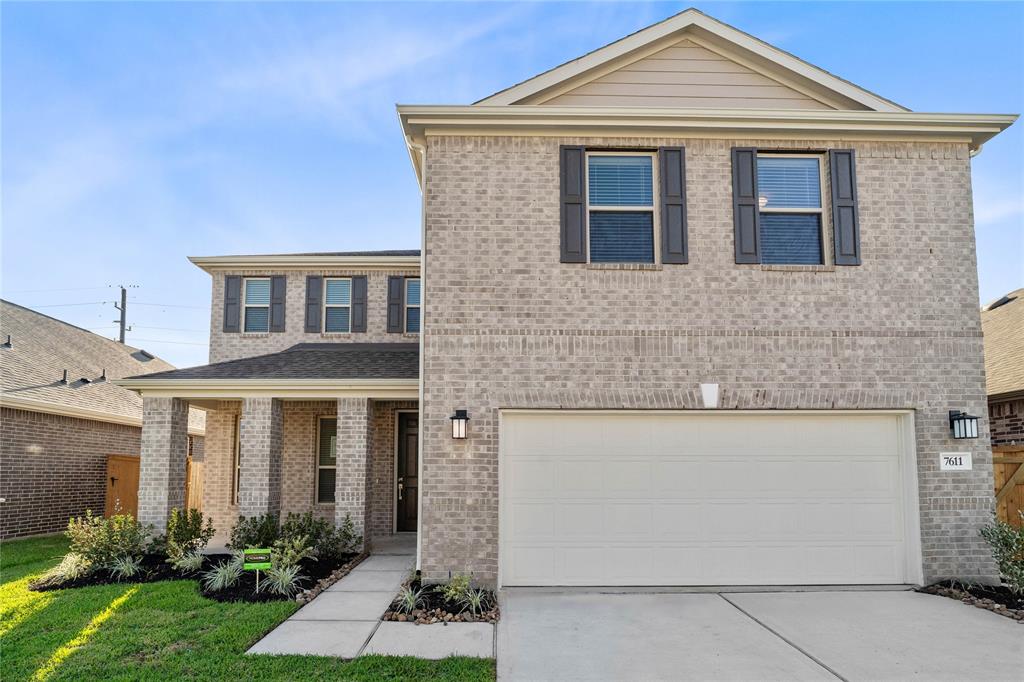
column 160, row 631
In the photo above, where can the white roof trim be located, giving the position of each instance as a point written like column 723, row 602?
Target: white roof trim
column 670, row 27
column 288, row 389
column 77, row 412
column 305, row 262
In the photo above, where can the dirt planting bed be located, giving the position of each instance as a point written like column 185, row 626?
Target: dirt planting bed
column 436, row 609
column 997, row 599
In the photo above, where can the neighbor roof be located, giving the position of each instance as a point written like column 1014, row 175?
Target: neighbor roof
column 319, row 361
column 366, row 260
column 1003, row 324
column 42, row 347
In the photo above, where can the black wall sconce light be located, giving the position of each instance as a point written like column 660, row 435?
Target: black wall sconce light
column 460, row 424
column 963, row 425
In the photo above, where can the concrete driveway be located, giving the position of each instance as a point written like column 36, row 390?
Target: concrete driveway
column 546, row 635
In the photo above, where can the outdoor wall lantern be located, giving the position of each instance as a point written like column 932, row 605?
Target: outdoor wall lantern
column 963, row 425
column 460, row 421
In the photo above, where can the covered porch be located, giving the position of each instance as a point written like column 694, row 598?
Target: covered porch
column 331, row 429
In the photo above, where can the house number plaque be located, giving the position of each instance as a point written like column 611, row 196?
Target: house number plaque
column 955, row 461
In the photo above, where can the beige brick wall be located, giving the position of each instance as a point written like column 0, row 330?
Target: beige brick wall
column 240, row 345
column 507, row 325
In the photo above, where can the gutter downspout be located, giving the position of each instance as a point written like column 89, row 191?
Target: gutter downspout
column 421, row 150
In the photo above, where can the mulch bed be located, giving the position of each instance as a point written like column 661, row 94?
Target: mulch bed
column 997, row 599
column 436, row 609
column 315, row 572
column 154, row 568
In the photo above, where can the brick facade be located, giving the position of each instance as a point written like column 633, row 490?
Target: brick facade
column 241, row 345
column 54, row 467
column 162, row 466
column 1007, row 421
column 507, row 325
column 260, row 444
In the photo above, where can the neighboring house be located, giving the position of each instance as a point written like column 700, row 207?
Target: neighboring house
column 706, row 306
column 1003, row 324
column 62, row 419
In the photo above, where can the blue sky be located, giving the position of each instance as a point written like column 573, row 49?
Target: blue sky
column 137, row 134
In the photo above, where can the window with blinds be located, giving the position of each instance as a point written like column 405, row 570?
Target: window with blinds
column 412, row 305
column 620, row 207
column 790, row 205
column 257, row 304
column 337, row 305
column 326, row 459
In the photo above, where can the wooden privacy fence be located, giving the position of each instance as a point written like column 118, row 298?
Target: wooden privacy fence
column 193, row 484
column 122, row 485
column 1008, row 473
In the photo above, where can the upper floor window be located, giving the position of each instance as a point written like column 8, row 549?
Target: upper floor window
column 790, row 206
column 620, row 207
column 326, row 459
column 256, row 296
column 412, row 305
column 338, row 305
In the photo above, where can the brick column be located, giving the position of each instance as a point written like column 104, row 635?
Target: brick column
column 352, row 482
column 162, row 465
column 259, row 482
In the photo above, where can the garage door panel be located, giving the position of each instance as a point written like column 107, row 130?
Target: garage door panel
column 699, row 499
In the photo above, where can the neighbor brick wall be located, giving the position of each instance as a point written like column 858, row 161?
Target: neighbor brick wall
column 241, row 345
column 508, row 326
column 54, row 467
column 1007, row 421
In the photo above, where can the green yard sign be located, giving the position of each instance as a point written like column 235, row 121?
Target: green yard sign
column 256, row 559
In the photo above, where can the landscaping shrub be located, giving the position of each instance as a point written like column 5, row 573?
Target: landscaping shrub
column 455, row 591
column 188, row 563
column 475, row 601
column 186, row 533
column 349, row 540
column 288, row 552
column 72, row 567
column 410, row 598
column 255, row 532
column 329, row 544
column 1007, row 544
column 224, row 575
column 283, row 580
column 101, row 541
column 125, row 567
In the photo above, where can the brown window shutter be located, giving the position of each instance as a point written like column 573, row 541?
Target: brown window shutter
column 573, row 243
column 845, row 213
column 396, row 301
column 672, row 168
column 278, row 294
column 746, row 219
column 314, row 298
column 232, row 303
column 359, row 304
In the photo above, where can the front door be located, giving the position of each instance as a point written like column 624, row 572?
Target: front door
column 408, row 471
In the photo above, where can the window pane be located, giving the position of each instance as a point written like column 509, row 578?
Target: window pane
column 339, row 292
column 620, row 181
column 788, row 183
column 257, row 319
column 790, row 239
column 328, row 437
column 412, row 320
column 412, row 292
column 325, row 486
column 257, row 291
column 621, row 237
column 336, row 320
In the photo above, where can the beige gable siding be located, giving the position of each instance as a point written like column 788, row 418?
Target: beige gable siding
column 686, row 75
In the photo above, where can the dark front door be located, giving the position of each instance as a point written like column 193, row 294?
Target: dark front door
column 408, row 470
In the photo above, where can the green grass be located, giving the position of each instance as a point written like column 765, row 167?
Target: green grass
column 160, row 631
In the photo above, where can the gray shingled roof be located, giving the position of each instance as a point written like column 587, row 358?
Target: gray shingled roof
column 1003, row 325
column 42, row 347
column 313, row 361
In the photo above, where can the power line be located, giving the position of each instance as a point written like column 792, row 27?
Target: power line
column 170, row 305
column 172, row 329
column 177, row 343
column 47, row 291
column 68, row 305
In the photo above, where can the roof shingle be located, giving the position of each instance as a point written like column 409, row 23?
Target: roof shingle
column 1003, row 326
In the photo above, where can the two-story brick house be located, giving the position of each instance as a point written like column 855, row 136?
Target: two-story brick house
column 707, row 307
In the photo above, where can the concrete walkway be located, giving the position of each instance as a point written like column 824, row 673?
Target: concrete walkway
column 869, row 635
column 344, row 620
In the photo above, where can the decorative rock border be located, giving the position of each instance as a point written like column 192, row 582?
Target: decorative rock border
column 979, row 602
column 431, row 616
column 337, row 574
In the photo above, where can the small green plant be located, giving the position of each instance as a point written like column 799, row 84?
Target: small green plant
column 410, row 599
column 283, row 580
column 188, row 563
column 101, row 540
column 125, row 567
column 288, row 552
column 455, row 591
column 350, row 540
column 255, row 532
column 475, row 601
column 1007, row 544
column 186, row 532
column 72, row 567
column 224, row 575
column 326, row 541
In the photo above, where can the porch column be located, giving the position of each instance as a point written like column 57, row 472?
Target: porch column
column 352, row 482
column 259, row 481
column 162, row 460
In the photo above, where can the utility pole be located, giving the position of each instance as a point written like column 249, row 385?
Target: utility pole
column 123, row 308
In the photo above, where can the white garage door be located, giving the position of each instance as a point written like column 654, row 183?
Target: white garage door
column 668, row 498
